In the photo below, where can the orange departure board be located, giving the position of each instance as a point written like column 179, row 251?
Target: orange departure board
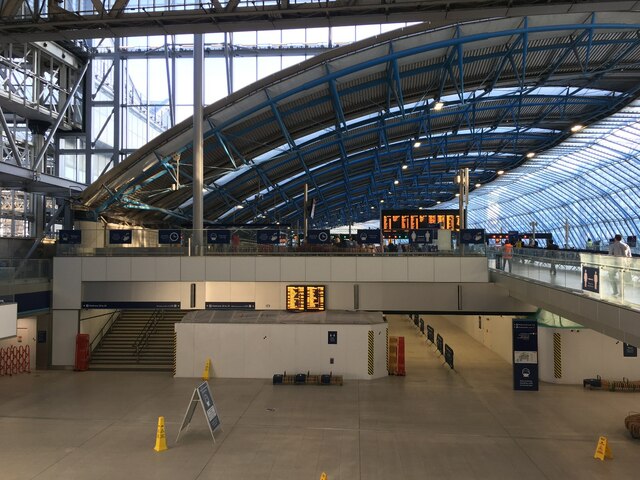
column 305, row 298
column 402, row 221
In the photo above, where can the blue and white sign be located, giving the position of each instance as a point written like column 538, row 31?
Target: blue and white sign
column 368, row 237
column 427, row 235
column 318, row 237
column 70, row 237
column 169, row 237
column 629, row 350
column 268, row 237
column 218, row 236
column 591, row 279
column 472, row 236
column 120, row 237
column 525, row 354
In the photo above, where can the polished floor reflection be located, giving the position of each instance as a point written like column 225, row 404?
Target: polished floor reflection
column 433, row 423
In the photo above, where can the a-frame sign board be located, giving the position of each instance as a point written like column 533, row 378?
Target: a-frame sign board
column 201, row 395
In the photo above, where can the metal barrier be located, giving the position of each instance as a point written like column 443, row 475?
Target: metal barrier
column 15, row 360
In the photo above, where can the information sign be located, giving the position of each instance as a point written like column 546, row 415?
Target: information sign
column 525, row 354
column 230, row 305
column 268, row 237
column 305, row 298
column 169, row 237
column 70, row 237
column 591, row 279
column 440, row 343
column 448, row 355
column 332, row 337
column 120, row 237
column 201, row 395
column 218, row 237
column 318, row 237
column 368, row 237
column 421, row 325
column 430, row 333
column 427, row 235
column 472, row 236
column 629, row 350
column 398, row 221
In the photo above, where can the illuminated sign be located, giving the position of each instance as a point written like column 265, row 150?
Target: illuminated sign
column 394, row 221
column 305, row 298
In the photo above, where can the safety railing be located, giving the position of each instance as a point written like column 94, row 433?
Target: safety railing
column 97, row 339
column 149, row 328
column 15, row 359
column 601, row 276
column 15, row 270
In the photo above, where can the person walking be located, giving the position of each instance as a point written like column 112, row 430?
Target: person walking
column 620, row 250
column 507, row 255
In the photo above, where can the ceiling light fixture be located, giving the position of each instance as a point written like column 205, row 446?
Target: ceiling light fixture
column 396, row 182
column 531, row 154
column 416, row 144
column 478, row 185
column 576, row 128
column 405, row 166
column 500, row 172
column 438, row 106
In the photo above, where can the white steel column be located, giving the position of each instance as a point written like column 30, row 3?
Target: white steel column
column 198, row 169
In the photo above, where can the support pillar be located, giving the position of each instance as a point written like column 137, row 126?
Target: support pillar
column 198, row 167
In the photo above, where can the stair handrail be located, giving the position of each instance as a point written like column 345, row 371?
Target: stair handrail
column 115, row 315
column 148, row 329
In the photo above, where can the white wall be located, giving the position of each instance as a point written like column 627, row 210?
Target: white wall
column 8, row 320
column 63, row 337
column 25, row 335
column 585, row 354
column 92, row 321
column 261, row 350
column 493, row 331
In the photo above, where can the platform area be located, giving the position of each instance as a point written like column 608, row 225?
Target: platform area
column 432, row 423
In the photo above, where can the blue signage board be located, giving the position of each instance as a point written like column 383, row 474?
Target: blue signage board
column 218, row 236
column 132, row 305
column 591, row 279
column 268, row 237
column 426, row 235
column 368, row 236
column 525, row 354
column 230, row 305
column 430, row 333
column 70, row 237
column 472, row 236
column 629, row 350
column 448, row 355
column 120, row 237
column 440, row 343
column 513, row 236
column 170, row 237
column 208, row 406
column 318, row 237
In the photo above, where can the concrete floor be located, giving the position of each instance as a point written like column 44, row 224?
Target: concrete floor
column 433, row 423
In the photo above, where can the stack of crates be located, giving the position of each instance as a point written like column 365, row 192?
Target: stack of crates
column 396, row 356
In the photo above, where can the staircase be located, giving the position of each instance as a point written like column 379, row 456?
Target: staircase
column 116, row 351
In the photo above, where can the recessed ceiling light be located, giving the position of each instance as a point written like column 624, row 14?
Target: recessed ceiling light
column 382, row 201
column 576, row 128
column 396, row 182
column 500, row 172
column 373, row 208
column 416, row 144
column 531, row 154
column 457, row 194
column 405, row 166
column 438, row 202
column 438, row 106
column 240, row 206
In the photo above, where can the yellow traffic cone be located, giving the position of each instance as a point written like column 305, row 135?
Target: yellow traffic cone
column 207, row 367
column 323, row 476
column 161, row 437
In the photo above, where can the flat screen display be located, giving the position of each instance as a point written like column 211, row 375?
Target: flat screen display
column 305, row 298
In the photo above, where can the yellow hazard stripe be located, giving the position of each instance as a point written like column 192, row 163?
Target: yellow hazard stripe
column 557, row 355
column 370, row 363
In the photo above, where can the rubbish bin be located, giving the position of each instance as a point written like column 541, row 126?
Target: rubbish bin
column 82, row 352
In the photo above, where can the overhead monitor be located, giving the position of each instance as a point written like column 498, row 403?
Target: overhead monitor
column 305, row 298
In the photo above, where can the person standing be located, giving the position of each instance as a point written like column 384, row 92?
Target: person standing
column 553, row 247
column 620, row 250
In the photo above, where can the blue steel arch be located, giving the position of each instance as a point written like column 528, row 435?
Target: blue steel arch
column 345, row 122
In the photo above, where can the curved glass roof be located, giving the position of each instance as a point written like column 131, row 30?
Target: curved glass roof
column 479, row 95
column 591, row 181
